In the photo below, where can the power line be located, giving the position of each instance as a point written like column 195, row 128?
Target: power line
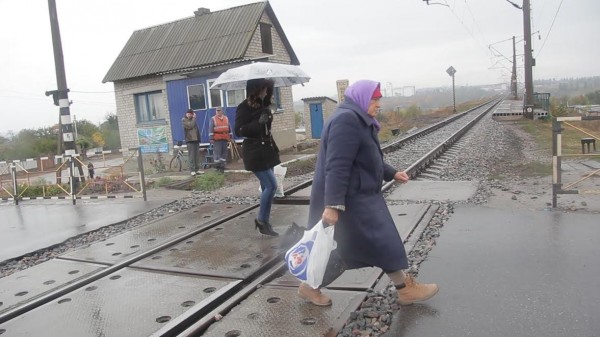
column 473, row 16
column 470, row 31
column 549, row 30
column 514, row 4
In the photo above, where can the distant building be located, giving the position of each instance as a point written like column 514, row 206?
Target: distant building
column 341, row 89
column 318, row 109
column 167, row 69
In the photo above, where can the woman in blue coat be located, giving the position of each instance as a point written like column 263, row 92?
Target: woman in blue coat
column 346, row 192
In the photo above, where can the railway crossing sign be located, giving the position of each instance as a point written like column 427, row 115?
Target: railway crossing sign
column 451, row 71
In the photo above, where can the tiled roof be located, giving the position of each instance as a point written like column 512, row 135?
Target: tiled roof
column 212, row 38
column 318, row 98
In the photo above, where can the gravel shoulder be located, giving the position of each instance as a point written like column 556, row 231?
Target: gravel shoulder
column 515, row 172
column 503, row 158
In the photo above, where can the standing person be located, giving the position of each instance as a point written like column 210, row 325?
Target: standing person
column 346, row 192
column 260, row 153
column 91, row 170
column 219, row 132
column 192, row 138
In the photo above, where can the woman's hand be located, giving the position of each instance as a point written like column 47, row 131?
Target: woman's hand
column 263, row 119
column 401, row 177
column 265, row 115
column 330, row 216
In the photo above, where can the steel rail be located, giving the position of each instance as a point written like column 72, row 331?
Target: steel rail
column 67, row 288
column 204, row 322
column 200, row 316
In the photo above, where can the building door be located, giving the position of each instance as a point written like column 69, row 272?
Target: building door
column 316, row 120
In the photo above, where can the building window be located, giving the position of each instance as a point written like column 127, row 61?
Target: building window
column 235, row 97
column 215, row 95
column 196, row 97
column 265, row 36
column 277, row 100
column 149, row 106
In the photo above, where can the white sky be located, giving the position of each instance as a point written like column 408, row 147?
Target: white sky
column 402, row 42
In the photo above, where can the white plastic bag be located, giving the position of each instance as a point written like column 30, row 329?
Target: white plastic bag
column 280, row 172
column 307, row 259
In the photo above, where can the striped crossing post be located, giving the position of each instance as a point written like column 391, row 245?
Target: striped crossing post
column 556, row 160
column 13, row 173
column 61, row 96
column 72, row 178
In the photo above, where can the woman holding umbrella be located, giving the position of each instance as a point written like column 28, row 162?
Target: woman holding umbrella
column 259, row 151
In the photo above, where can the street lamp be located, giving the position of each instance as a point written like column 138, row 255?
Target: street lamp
column 451, row 71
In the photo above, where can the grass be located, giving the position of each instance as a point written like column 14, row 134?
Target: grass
column 300, row 167
column 164, row 181
column 541, row 130
column 534, row 169
column 209, row 181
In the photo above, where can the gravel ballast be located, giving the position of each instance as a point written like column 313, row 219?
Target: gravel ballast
column 490, row 154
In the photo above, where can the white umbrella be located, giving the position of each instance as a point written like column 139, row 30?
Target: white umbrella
column 284, row 75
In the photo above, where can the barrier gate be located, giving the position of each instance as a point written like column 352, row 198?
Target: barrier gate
column 26, row 179
column 557, row 185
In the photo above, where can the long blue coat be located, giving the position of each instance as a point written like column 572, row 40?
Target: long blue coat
column 350, row 170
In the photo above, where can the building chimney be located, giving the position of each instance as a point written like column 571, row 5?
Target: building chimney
column 201, row 11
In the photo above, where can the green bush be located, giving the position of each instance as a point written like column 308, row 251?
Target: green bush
column 164, row 181
column 32, row 191
column 209, row 181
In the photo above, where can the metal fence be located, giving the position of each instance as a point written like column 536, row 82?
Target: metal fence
column 70, row 177
column 558, row 187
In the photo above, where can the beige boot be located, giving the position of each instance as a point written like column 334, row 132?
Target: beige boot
column 315, row 296
column 415, row 292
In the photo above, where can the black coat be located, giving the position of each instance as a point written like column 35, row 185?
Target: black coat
column 350, row 170
column 259, row 150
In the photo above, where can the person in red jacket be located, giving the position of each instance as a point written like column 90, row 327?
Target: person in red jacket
column 219, row 133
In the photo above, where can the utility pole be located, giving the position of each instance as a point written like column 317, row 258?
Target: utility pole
column 61, row 96
column 528, row 104
column 513, row 78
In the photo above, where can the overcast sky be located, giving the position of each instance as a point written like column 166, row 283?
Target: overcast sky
column 397, row 42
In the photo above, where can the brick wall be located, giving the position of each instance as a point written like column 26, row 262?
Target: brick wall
column 124, row 96
column 284, row 122
column 328, row 107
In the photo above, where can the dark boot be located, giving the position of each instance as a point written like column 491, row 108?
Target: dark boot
column 265, row 228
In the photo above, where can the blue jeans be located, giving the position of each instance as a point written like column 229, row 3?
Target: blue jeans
column 268, row 185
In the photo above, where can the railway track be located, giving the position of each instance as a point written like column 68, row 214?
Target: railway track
column 205, row 271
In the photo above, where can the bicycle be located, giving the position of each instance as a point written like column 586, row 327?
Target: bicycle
column 176, row 163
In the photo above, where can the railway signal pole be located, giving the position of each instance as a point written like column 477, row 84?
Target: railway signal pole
column 60, row 95
column 451, row 71
column 529, row 62
column 513, row 77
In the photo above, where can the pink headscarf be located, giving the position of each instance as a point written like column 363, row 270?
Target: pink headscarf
column 361, row 92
